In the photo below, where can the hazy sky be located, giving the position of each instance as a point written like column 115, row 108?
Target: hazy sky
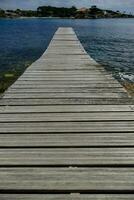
column 123, row 5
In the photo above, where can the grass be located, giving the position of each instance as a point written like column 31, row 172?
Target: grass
column 9, row 75
column 129, row 87
column 7, row 79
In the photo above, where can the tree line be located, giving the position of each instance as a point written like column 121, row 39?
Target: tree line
column 62, row 12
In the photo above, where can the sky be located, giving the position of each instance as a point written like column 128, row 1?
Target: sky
column 122, row 5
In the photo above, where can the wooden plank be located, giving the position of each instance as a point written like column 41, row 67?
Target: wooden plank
column 65, row 95
column 68, row 140
column 60, row 75
column 67, row 79
column 65, row 38
column 82, row 58
column 79, row 65
column 65, row 57
column 88, row 64
column 67, row 101
column 40, row 78
column 75, row 64
column 67, row 108
column 72, row 196
column 67, row 179
column 67, row 157
column 41, row 86
column 67, row 117
column 55, row 74
column 65, row 90
column 66, row 52
column 80, row 76
column 67, row 74
column 59, row 66
column 67, row 127
column 58, row 82
column 62, row 72
column 85, row 59
column 64, row 84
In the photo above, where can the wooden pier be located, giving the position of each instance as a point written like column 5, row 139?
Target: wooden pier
column 66, row 129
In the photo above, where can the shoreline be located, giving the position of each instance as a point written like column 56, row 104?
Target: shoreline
column 66, row 18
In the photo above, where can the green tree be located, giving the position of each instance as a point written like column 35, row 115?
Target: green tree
column 2, row 13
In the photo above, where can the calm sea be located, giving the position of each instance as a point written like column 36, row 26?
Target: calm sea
column 108, row 41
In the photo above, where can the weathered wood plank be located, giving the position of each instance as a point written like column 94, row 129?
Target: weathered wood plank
column 68, row 66
column 67, row 156
column 67, row 179
column 67, row 117
column 68, row 74
column 68, row 140
column 68, row 127
column 65, row 90
column 63, row 78
column 62, row 72
column 66, row 101
column 67, row 196
column 103, row 80
column 65, row 95
column 67, row 108
column 67, row 86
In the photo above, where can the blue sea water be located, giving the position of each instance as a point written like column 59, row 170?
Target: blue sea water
column 108, row 41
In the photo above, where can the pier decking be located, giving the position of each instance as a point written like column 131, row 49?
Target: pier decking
column 66, row 129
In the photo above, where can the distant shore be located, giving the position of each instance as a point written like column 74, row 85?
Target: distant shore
column 62, row 18
column 61, row 12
